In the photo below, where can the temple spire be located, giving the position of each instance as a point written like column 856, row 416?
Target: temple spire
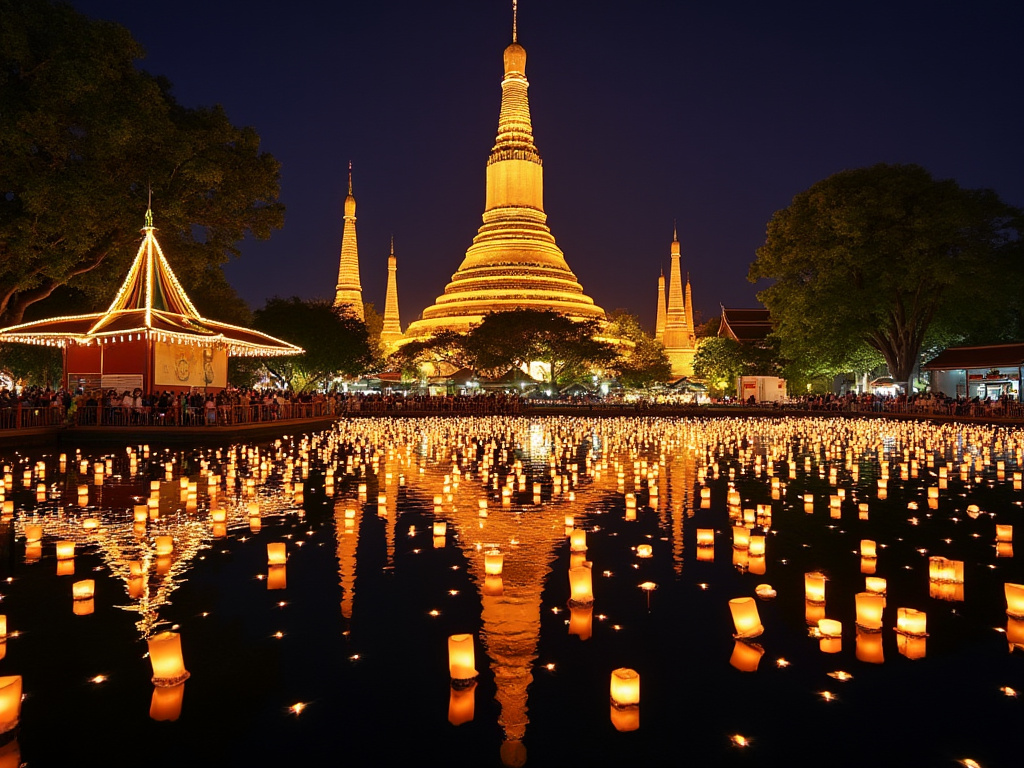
column 348, row 296
column 659, row 329
column 391, row 332
column 679, row 340
column 515, row 18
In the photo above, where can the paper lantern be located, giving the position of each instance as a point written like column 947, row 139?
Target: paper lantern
column 440, row 528
column 581, row 588
column 581, row 621
column 493, row 562
column 862, row 511
column 1014, row 600
column 740, row 559
column 218, row 515
column 911, row 622
column 746, row 656
column 154, row 486
column 705, row 494
column 166, row 702
column 625, row 688
column 461, row 658
column 10, row 702
column 65, row 550
column 869, row 647
column 33, row 533
column 740, row 537
column 461, row 703
column 875, row 584
column 757, row 545
column 814, row 587
column 869, row 611
column 734, row 498
column 166, row 659
column 34, row 551
column 705, row 537
column 831, row 632
column 164, row 546
column 136, row 587
column 255, row 524
column 219, row 530
column 867, row 548
column 644, row 550
column 276, row 553
column 578, row 540
column 140, row 513
column 3, row 627
column 83, row 590
column 1004, row 533
column 745, row 617
column 1015, row 633
column 277, row 577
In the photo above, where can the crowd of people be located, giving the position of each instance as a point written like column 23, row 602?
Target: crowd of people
column 36, row 406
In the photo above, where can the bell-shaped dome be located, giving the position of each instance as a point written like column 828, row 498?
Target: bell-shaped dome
column 515, row 59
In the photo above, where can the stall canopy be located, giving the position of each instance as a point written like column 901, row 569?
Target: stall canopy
column 978, row 358
column 151, row 332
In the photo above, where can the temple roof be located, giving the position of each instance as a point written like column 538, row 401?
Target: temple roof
column 983, row 357
column 745, row 325
column 150, row 303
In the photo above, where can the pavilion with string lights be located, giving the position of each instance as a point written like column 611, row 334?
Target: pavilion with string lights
column 151, row 337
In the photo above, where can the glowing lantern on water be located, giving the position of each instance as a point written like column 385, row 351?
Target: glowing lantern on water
column 734, row 498
column 862, row 510
column 165, row 706
column 867, row 548
column 83, row 590
column 461, row 658
column 831, row 632
column 33, row 533
column 493, row 562
column 461, row 704
column 277, row 577
column 154, row 486
column 1004, row 533
column 578, row 540
column 705, row 494
column 814, row 587
column 255, row 524
column 745, row 617
column 140, row 513
column 746, row 656
column 644, row 550
column 1014, row 600
column 3, row 627
column 440, row 528
column 756, row 546
column 875, row 584
column 218, row 515
column 166, row 659
column 869, row 611
column 581, row 621
column 581, row 586
column 911, row 622
column 164, row 546
column 276, row 553
column 740, row 537
column 10, row 702
column 625, row 688
column 65, row 550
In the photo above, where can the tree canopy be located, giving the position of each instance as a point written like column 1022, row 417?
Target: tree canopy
column 720, row 360
column 335, row 344
column 888, row 258
column 84, row 136
column 646, row 363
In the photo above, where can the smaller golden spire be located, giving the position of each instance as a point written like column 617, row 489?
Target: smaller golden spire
column 515, row 18
column 350, row 177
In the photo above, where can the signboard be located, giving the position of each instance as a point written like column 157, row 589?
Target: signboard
column 183, row 365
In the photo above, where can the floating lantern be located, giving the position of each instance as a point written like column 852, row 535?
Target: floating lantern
column 757, row 545
column 1004, row 534
column 867, row 548
column 869, row 611
column 166, row 659
column 814, row 587
column 255, row 524
column 10, row 702
column 581, row 586
column 734, row 498
column 136, row 587
column 911, row 622
column 83, row 590
column 440, row 528
column 625, row 688
column 493, row 562
column 461, row 703
column 276, row 553
column 831, row 635
column 705, row 537
column 165, row 706
column 461, row 659
column 140, row 513
column 277, row 577
column 875, row 584
column 218, row 515
column 33, row 533
column 644, row 550
column 745, row 617
column 765, row 591
column 578, row 540
column 581, row 621
column 862, row 510
column 705, row 494
column 746, row 656
column 740, row 537
column 34, row 551
column 1014, row 600
column 164, row 546
column 65, row 550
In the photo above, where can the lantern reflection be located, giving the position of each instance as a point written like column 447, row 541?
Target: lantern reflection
column 746, row 656
column 869, row 646
column 581, row 621
column 461, row 703
column 166, row 702
column 10, row 702
column 1014, row 600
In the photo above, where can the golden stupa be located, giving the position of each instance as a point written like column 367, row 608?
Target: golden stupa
column 513, row 262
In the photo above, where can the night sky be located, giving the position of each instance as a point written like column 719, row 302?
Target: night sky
column 714, row 114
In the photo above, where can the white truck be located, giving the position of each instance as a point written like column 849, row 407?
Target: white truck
column 764, row 389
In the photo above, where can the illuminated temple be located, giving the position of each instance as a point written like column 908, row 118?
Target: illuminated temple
column 675, row 322
column 514, row 262
column 348, row 294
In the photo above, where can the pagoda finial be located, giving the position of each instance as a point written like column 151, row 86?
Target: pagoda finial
column 675, row 237
column 149, row 208
column 392, row 245
column 350, row 177
column 515, row 18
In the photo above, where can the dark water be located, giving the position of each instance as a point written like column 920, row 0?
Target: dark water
column 360, row 648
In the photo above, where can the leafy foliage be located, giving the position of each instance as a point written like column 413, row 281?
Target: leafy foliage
column 334, row 344
column 720, row 360
column 646, row 363
column 889, row 258
column 84, row 135
column 32, row 365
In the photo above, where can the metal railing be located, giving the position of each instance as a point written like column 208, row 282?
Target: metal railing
column 29, row 416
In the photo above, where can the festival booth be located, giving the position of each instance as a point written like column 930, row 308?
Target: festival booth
column 986, row 371
column 151, row 338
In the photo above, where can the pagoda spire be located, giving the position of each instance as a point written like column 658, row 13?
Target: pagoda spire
column 392, row 330
column 659, row 329
column 675, row 320
column 348, row 296
column 691, row 331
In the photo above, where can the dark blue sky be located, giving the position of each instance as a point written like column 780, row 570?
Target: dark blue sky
column 712, row 114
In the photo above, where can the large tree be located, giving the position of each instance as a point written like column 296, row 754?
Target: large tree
column 886, row 257
column 518, row 337
column 335, row 344
column 84, row 136
column 646, row 362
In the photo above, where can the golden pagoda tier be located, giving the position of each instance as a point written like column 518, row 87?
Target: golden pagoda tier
column 514, row 262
